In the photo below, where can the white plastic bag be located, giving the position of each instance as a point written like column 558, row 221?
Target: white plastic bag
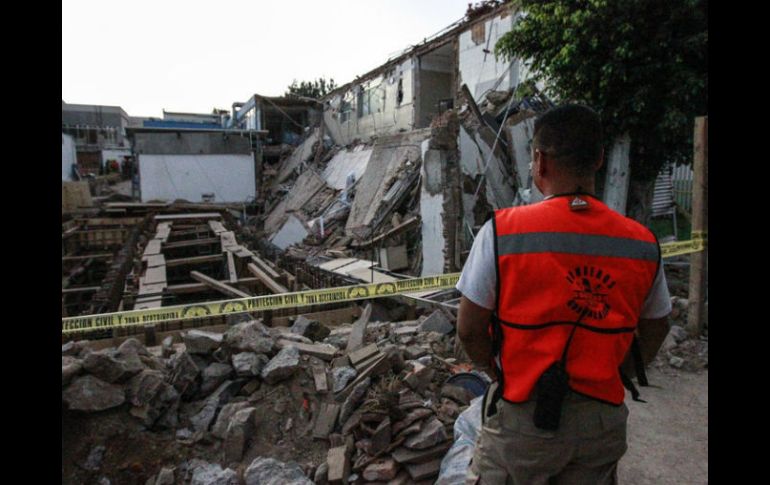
column 454, row 466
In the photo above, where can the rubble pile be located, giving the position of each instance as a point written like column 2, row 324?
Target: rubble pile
column 679, row 350
column 357, row 403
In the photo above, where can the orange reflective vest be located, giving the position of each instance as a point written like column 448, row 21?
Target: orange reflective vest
column 569, row 262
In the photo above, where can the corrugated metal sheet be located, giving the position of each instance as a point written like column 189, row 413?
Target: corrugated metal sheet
column 681, row 178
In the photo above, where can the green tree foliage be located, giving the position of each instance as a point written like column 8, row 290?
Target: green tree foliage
column 641, row 63
column 311, row 89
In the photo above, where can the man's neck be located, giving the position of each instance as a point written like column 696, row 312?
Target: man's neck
column 572, row 187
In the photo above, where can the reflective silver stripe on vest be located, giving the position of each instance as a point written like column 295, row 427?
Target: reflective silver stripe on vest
column 571, row 243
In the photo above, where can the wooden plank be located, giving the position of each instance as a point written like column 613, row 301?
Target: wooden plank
column 699, row 260
column 154, row 275
column 110, row 221
column 363, row 354
column 227, row 239
column 216, row 285
column 216, row 227
column 265, row 267
column 231, row 267
column 271, row 285
column 153, row 247
column 186, row 288
column 180, row 217
column 154, row 260
column 209, row 258
column 363, row 374
column 322, row 351
column 82, row 289
column 149, row 303
column 151, row 289
column 327, row 418
column 88, row 256
column 192, row 242
column 320, row 379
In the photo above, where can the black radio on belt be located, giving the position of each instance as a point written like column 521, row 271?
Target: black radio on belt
column 552, row 388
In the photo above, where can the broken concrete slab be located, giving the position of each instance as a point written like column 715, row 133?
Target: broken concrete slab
column 269, row 471
column 411, row 417
column 344, row 163
column 380, row 439
column 357, row 335
column 183, row 374
column 213, row 474
column 89, row 393
column 362, row 354
column 432, row 433
column 282, row 366
column 70, row 367
column 301, row 154
column 248, row 364
column 437, row 322
column 250, row 336
column 312, row 329
column 458, row 394
column 214, row 375
column 239, row 430
column 202, row 420
column 291, row 232
column 319, row 379
column 225, row 415
column 110, row 365
column 354, row 399
column 200, row 342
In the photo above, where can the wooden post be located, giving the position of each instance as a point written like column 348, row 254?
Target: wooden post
column 699, row 260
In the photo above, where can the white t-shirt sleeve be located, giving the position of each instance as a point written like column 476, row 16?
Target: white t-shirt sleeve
column 478, row 281
column 658, row 302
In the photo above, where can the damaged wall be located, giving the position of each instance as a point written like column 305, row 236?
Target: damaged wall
column 482, row 71
column 520, row 134
column 68, row 157
column 346, row 162
column 391, row 95
column 390, row 171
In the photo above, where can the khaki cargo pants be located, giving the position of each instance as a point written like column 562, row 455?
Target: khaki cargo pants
column 584, row 450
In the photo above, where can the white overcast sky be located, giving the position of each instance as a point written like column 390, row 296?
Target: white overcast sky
column 192, row 56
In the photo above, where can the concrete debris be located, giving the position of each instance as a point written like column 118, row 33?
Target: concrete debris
column 89, row 393
column 184, row 374
column 133, row 346
column 677, row 362
column 282, row 366
column 200, row 342
column 431, row 434
column 269, row 471
column 70, row 367
column 202, row 420
column 165, row 476
column 381, row 470
column 679, row 333
column 167, row 347
column 249, row 364
column 311, row 329
column 249, row 337
column 239, row 431
column 436, row 322
column 354, row 399
column 225, row 415
column 110, row 365
column 341, row 376
column 458, row 394
column 213, row 474
column 214, row 375
column 94, row 460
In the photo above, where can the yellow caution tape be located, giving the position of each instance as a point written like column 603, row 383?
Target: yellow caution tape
column 134, row 318
column 340, row 294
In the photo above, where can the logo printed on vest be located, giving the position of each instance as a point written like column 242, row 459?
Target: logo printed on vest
column 578, row 204
column 590, row 287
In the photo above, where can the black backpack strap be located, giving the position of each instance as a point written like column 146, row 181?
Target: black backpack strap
column 636, row 355
column 629, row 384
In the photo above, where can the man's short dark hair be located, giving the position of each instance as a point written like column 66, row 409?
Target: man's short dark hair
column 571, row 134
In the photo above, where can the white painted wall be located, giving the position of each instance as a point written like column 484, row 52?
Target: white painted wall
column 292, row 232
column 68, row 157
column 481, row 71
column 389, row 121
column 169, row 177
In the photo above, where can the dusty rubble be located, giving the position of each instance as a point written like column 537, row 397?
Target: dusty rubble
column 365, row 403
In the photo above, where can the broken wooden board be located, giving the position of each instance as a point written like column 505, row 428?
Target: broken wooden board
column 156, row 274
column 363, row 354
column 326, row 420
column 322, row 351
column 356, row 337
column 320, row 379
column 216, row 285
column 339, row 465
column 231, row 267
column 191, row 242
column 207, row 258
column 216, row 227
column 179, row 217
column 376, row 367
column 264, row 266
column 154, row 260
column 272, row 285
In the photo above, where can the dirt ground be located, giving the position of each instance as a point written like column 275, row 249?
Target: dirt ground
column 668, row 435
